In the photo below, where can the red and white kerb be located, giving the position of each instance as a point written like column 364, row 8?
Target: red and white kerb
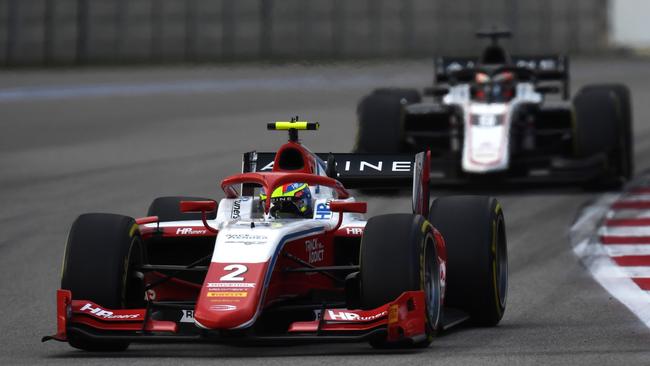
column 618, row 255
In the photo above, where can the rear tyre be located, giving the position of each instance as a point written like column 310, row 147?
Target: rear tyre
column 168, row 209
column 410, row 95
column 477, row 258
column 380, row 119
column 100, row 253
column 603, row 126
column 398, row 254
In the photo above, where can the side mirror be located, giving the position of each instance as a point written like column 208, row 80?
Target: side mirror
column 436, row 91
column 342, row 206
column 146, row 220
column 198, row 206
column 202, row 207
column 547, row 89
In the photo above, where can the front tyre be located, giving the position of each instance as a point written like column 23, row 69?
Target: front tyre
column 398, row 254
column 101, row 251
column 625, row 150
column 473, row 228
column 604, row 126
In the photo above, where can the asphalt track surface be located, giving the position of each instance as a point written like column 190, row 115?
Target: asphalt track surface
column 111, row 140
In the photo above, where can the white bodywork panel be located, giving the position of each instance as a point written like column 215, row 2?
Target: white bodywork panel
column 240, row 242
column 486, row 144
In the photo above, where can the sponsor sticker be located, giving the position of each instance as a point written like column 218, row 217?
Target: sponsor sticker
column 393, row 314
column 354, row 230
column 99, row 312
column 323, row 211
column 228, row 300
column 188, row 316
column 378, row 165
column 190, row 231
column 231, row 285
column 246, row 238
column 352, row 317
column 227, row 294
column 222, row 307
column 315, row 250
column 236, row 209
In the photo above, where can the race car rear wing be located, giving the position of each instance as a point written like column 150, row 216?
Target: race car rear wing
column 550, row 68
column 365, row 171
column 354, row 170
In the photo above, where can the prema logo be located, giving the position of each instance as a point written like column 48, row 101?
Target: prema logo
column 99, row 312
column 348, row 316
column 190, row 231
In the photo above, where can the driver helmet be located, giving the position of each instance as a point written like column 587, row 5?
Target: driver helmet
column 291, row 200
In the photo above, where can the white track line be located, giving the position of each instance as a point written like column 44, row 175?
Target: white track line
column 617, row 280
column 192, row 86
column 625, row 231
column 627, row 214
column 632, row 249
column 633, row 197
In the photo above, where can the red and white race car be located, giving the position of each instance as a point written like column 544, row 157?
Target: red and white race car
column 243, row 271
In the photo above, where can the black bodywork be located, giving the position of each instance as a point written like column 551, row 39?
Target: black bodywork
column 542, row 146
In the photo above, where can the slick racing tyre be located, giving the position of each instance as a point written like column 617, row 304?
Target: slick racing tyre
column 477, row 259
column 603, row 126
column 625, row 152
column 168, row 209
column 380, row 120
column 100, row 253
column 409, row 95
column 398, row 254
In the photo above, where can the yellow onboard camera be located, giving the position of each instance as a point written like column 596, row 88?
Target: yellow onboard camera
column 293, row 126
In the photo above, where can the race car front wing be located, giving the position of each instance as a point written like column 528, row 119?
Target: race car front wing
column 400, row 320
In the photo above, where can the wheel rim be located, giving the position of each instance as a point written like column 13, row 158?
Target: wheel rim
column 431, row 283
column 133, row 294
column 501, row 260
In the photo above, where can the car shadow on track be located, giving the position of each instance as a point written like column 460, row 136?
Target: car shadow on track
column 199, row 351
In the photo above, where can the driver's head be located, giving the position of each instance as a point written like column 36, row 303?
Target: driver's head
column 290, row 201
column 496, row 89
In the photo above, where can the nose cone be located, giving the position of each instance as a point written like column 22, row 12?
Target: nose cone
column 230, row 295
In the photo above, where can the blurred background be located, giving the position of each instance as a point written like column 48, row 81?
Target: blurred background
column 108, row 104
column 51, row 32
